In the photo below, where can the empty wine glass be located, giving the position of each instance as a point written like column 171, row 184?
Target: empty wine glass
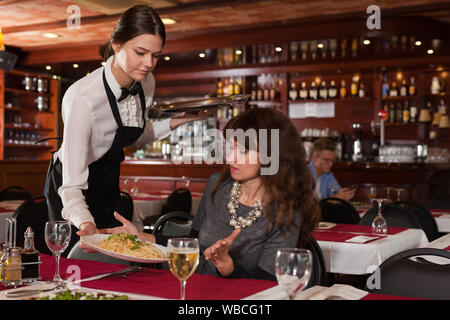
column 57, row 238
column 379, row 224
column 183, row 256
column 135, row 190
column 293, row 269
column 399, row 191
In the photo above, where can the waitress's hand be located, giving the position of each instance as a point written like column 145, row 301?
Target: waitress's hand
column 218, row 254
column 186, row 117
column 86, row 228
column 127, row 227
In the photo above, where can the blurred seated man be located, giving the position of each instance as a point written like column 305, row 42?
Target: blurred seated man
column 323, row 157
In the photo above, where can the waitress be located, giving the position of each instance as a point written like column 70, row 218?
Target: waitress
column 102, row 113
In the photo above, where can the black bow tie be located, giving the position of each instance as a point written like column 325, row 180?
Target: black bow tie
column 134, row 90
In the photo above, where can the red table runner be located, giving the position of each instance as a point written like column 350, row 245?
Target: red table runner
column 159, row 283
column 3, row 210
column 341, row 236
column 341, row 227
column 448, row 248
column 376, row 296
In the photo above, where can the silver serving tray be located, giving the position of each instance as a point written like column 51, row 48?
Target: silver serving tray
column 195, row 106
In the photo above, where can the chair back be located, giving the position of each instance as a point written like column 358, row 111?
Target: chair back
column 34, row 213
column 178, row 200
column 14, row 193
column 125, row 205
column 338, row 211
column 401, row 276
column 319, row 270
column 77, row 253
column 425, row 217
column 173, row 224
column 395, row 216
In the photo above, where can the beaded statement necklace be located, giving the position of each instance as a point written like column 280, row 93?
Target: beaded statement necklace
column 233, row 205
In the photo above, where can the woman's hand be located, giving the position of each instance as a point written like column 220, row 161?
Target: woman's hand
column 127, row 227
column 218, row 254
column 186, row 117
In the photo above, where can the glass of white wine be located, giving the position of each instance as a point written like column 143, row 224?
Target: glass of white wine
column 183, row 255
column 372, row 194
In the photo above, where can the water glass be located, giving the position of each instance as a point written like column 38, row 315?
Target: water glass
column 379, row 224
column 57, row 238
column 293, row 269
column 183, row 257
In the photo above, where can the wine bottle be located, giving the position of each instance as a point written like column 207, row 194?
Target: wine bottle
column 392, row 113
column 403, row 89
column 293, row 94
column 343, row 89
column 393, row 92
column 399, row 113
column 413, row 111
column 303, row 91
column 406, row 113
column 323, row 91
column 354, row 87
column 219, row 88
column 313, row 91
column 362, row 91
column 332, row 90
column 412, row 87
column 385, row 86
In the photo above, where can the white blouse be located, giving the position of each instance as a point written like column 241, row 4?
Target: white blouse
column 89, row 130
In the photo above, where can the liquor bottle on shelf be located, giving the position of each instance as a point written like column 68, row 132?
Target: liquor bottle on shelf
column 220, row 58
column 386, row 109
column 237, row 86
column 343, row 89
column 404, row 42
column 412, row 43
column 354, row 87
column 354, row 47
column 413, row 111
column 332, row 90
column 392, row 113
column 435, row 85
column 343, row 48
column 362, row 91
column 253, row 92
column 231, row 86
column 323, row 91
column 385, row 86
column 254, row 54
column 219, row 88
column 399, row 113
column 412, row 87
column 273, row 90
column 259, row 92
column 403, row 89
column 266, row 92
column 313, row 49
column 393, row 92
column 313, row 91
column 333, row 48
column 293, row 46
column 304, row 49
column 303, row 92
column 226, row 87
column 293, row 94
column 406, row 113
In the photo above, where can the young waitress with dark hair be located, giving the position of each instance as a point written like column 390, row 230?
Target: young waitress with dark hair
column 104, row 112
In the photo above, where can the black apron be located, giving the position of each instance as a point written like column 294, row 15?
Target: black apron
column 103, row 192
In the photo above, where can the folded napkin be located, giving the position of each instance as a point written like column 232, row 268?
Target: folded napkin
column 335, row 292
column 363, row 239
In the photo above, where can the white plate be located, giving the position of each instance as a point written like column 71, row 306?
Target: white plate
column 92, row 240
column 326, row 225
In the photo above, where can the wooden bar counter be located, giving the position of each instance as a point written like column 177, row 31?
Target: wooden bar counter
column 421, row 181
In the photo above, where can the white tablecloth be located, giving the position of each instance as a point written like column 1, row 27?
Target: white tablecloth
column 440, row 243
column 443, row 221
column 363, row 258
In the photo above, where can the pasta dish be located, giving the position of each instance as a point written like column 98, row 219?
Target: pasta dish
column 128, row 244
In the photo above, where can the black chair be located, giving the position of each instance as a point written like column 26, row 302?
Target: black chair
column 14, row 193
column 178, row 200
column 173, row 224
column 338, row 211
column 319, row 270
column 395, row 216
column 425, row 217
column 401, row 276
column 34, row 213
column 125, row 205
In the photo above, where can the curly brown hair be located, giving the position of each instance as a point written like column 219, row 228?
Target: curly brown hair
column 292, row 186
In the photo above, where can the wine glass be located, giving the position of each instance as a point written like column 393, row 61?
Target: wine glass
column 379, row 224
column 372, row 194
column 134, row 190
column 57, row 238
column 388, row 193
column 183, row 255
column 399, row 191
column 293, row 269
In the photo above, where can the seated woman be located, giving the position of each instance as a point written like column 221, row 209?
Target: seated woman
column 245, row 214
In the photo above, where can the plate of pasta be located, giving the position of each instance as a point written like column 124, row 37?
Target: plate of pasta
column 126, row 247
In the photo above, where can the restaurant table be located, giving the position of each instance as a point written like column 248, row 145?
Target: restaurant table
column 7, row 209
column 440, row 243
column 343, row 256
column 154, row 284
column 151, row 203
column 441, row 216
